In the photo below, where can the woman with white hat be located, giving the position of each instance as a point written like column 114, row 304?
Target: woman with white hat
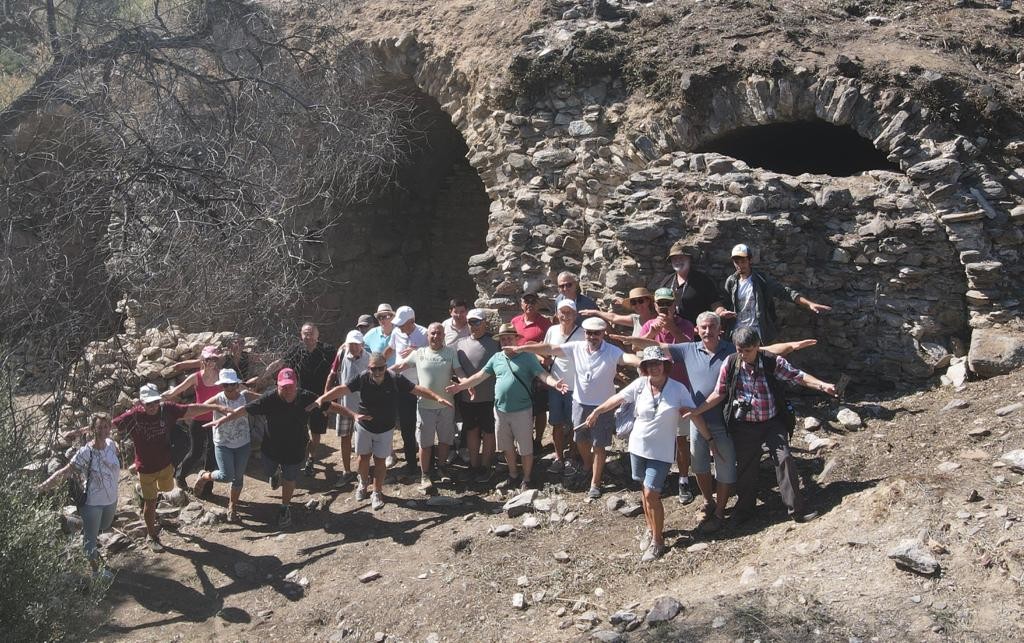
column 231, row 441
column 657, row 400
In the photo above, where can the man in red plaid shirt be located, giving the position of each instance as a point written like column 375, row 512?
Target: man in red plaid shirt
column 754, row 419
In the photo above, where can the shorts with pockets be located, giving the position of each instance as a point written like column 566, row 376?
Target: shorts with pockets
column 317, row 423
column 559, row 407
column 162, row 480
column 700, row 454
column 368, row 443
column 514, row 429
column 600, row 435
column 477, row 415
column 289, row 472
column 435, row 426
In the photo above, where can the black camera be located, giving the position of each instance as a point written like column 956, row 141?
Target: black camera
column 740, row 408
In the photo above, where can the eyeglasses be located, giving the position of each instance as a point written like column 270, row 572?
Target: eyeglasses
column 637, row 301
column 589, row 333
column 378, row 369
column 564, row 286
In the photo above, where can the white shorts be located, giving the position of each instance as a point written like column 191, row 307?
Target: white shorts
column 435, row 426
column 513, row 430
column 366, row 443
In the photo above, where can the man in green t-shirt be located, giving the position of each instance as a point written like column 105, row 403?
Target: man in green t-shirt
column 513, row 403
column 436, row 365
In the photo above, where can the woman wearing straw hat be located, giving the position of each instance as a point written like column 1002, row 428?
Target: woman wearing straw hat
column 657, row 400
column 640, row 303
column 231, row 441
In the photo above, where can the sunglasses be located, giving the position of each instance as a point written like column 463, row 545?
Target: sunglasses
column 638, row 301
column 384, row 316
column 230, row 384
column 378, row 369
column 564, row 286
column 593, row 332
column 474, row 322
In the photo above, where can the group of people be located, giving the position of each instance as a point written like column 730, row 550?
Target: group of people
column 463, row 386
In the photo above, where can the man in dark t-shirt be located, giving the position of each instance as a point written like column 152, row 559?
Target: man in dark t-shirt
column 379, row 392
column 311, row 360
column 694, row 291
column 149, row 425
column 288, row 410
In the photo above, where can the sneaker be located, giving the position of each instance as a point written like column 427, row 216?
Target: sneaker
column 804, row 516
column 201, row 482
column 233, row 515
column 484, row 475
column 154, row 545
column 654, row 552
column 426, row 484
column 443, row 475
column 307, row 470
column 570, row 469
column 284, row 516
column 509, row 483
column 390, row 461
column 685, row 495
column 646, row 539
column 594, row 493
column 377, row 501
column 556, row 468
column 275, row 479
column 361, row 494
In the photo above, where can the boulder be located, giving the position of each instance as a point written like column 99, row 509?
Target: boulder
column 1014, row 459
column 995, row 352
column 665, row 609
column 521, row 503
column 912, row 555
column 849, row 419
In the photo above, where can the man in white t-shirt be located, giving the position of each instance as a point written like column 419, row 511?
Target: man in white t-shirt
column 351, row 361
column 456, row 327
column 594, row 363
column 406, row 337
column 560, row 404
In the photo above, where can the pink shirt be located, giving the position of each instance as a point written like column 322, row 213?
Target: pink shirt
column 678, row 372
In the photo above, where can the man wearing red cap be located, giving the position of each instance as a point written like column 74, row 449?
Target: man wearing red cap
column 288, row 410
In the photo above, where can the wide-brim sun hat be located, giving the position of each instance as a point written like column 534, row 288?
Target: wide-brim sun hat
column 654, row 354
column 228, row 376
column 505, row 330
column 636, row 293
column 384, row 308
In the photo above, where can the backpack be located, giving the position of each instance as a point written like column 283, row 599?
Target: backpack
column 78, row 492
column 783, row 408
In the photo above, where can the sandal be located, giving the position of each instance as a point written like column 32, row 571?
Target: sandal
column 706, row 508
column 711, row 524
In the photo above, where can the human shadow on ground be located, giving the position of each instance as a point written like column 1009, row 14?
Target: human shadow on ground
column 181, row 603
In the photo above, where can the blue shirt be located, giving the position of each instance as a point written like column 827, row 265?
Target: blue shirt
column 703, row 368
column 377, row 342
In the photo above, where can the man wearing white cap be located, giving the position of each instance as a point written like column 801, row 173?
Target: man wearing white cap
column 594, row 362
column 752, row 293
column 560, row 404
column 407, row 337
column 149, row 425
column 473, row 352
column 351, row 361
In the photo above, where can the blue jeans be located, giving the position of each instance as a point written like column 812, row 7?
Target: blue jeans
column 231, row 464
column 95, row 519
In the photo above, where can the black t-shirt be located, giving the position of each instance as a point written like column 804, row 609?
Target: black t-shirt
column 313, row 366
column 695, row 296
column 285, row 442
column 379, row 401
column 240, row 366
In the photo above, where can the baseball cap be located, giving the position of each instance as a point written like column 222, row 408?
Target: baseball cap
column 210, row 351
column 403, row 315
column 286, row 377
column 354, row 337
column 365, row 320
column 149, row 393
column 740, row 250
column 477, row 313
column 566, row 303
column 594, row 323
column 664, row 294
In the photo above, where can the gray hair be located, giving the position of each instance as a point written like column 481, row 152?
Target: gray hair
column 708, row 316
column 569, row 275
column 745, row 337
column 431, row 326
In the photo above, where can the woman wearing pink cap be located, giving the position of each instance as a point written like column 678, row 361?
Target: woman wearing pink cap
column 204, row 381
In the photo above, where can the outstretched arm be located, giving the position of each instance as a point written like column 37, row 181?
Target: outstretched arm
column 468, row 383
column 812, row 306
column 186, row 384
column 609, row 404
column 555, row 383
column 810, row 381
column 611, row 318
column 785, row 348
column 333, row 394
column 536, row 349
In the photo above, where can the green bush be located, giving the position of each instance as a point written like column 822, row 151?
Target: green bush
column 46, row 592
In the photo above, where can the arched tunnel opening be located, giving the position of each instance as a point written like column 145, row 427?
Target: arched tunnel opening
column 814, row 147
column 410, row 243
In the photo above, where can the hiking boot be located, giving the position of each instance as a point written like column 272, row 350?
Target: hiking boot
column 307, row 469
column 556, row 468
column 654, row 552
column 275, row 479
column 284, row 516
column 570, row 469
column 377, row 501
column 525, row 484
column 685, row 495
column 512, row 482
column 361, row 494
column 443, row 475
column 426, row 485
column 594, row 493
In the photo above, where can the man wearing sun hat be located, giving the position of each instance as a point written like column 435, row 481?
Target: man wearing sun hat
column 513, row 403
column 288, row 409
column 594, row 364
column 351, row 361
column 751, row 293
column 692, row 290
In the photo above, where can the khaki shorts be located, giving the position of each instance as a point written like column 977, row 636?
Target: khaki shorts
column 151, row 482
column 514, row 429
column 435, row 426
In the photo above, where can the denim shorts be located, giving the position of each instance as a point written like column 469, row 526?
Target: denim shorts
column 700, row 454
column 289, row 472
column 559, row 407
column 651, row 473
